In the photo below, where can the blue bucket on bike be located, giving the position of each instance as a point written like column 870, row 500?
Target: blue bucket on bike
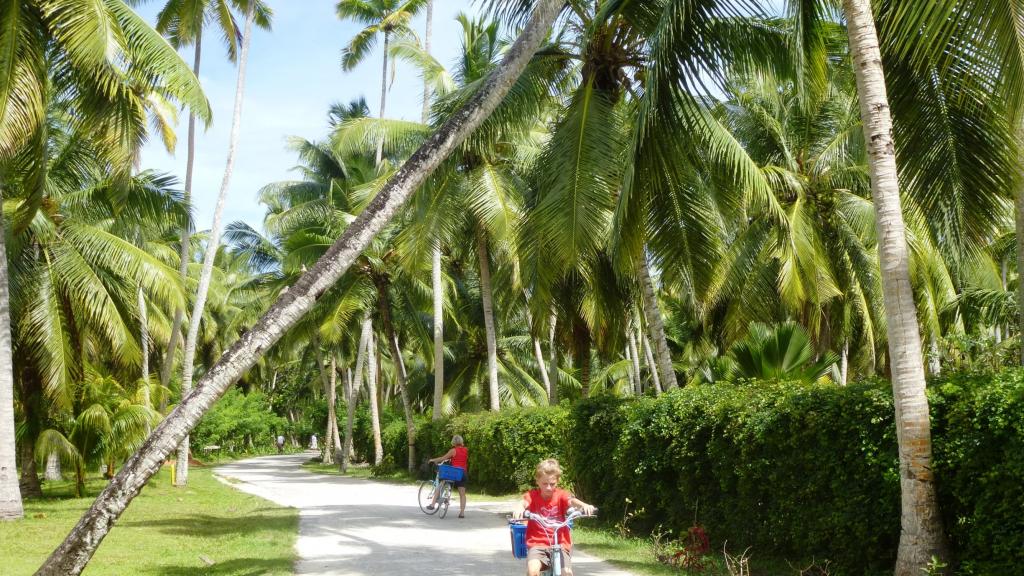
column 518, row 540
column 450, row 473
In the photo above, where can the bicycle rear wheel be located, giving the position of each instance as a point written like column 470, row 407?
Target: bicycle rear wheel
column 444, row 500
column 426, row 496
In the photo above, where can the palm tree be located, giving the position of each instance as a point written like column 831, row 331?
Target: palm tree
column 183, row 22
column 212, row 244
column 387, row 17
column 50, row 40
column 71, row 557
column 921, row 536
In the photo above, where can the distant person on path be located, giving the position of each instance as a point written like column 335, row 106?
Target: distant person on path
column 459, row 457
column 549, row 501
column 313, row 445
column 280, row 443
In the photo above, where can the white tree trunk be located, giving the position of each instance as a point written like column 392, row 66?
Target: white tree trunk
column 635, row 358
column 371, row 384
column 629, row 370
column 651, row 366
column 538, row 353
column 426, row 48
column 11, row 507
column 335, row 435
column 195, row 319
column 403, row 391
column 383, row 97
column 553, row 360
column 73, row 554
column 331, row 392
column 364, row 338
column 185, row 251
column 1019, row 223
column 144, row 341
column 844, row 363
column 656, row 328
column 921, row 534
column 492, row 341
column 438, row 289
column 52, row 472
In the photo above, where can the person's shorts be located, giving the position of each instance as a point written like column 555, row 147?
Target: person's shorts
column 543, row 553
column 461, row 483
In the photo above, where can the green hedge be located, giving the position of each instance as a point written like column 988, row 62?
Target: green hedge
column 239, row 422
column 794, row 471
column 978, row 426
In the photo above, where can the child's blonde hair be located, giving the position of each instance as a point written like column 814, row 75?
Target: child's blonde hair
column 549, row 467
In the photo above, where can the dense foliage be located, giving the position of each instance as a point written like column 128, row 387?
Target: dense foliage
column 793, row 470
column 240, row 422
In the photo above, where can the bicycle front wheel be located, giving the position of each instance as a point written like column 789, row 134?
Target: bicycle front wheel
column 426, row 497
column 444, row 500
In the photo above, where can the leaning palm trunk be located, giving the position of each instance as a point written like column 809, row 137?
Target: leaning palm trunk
column 71, row 557
column 10, row 493
column 371, row 387
column 195, row 319
column 185, row 251
column 656, row 327
column 438, row 289
column 492, row 342
column 350, row 409
column 921, row 535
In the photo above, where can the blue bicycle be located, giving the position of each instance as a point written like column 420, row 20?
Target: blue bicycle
column 435, row 495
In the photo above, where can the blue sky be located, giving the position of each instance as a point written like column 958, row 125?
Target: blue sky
column 293, row 75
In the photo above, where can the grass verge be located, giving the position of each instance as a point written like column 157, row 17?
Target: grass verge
column 207, row 528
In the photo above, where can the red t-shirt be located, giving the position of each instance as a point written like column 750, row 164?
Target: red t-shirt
column 554, row 509
column 461, row 457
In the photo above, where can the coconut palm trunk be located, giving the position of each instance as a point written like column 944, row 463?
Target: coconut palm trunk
column 357, row 384
column 333, row 416
column 921, row 535
column 427, row 33
column 185, row 252
column 438, row 290
column 656, row 328
column 492, row 342
column 651, row 366
column 371, row 386
column 387, row 324
column 553, row 360
column 383, row 96
column 195, row 319
column 538, row 353
column 635, row 361
column 144, row 342
column 74, row 553
column 10, row 493
column 581, row 354
column 330, row 383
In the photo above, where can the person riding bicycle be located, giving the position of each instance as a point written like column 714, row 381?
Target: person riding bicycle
column 459, row 457
column 549, row 501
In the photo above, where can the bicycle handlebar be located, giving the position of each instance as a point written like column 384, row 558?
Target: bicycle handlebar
column 573, row 514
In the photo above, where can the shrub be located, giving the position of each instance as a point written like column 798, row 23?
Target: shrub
column 239, row 422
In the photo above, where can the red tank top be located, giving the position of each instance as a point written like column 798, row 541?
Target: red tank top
column 461, row 457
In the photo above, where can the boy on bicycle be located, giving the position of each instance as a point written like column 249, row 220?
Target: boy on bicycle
column 550, row 501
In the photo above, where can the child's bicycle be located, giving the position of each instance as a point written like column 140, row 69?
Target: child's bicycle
column 441, row 484
column 551, row 528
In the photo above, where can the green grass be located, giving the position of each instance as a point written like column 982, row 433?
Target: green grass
column 166, row 531
column 637, row 555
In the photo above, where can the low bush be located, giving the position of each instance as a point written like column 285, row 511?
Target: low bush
column 239, row 422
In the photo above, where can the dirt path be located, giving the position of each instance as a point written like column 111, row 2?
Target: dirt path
column 351, row 526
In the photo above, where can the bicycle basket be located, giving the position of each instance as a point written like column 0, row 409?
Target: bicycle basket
column 450, row 473
column 518, row 540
